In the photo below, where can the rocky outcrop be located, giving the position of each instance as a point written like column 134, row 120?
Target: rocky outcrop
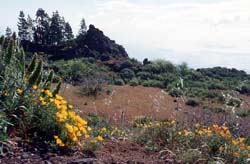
column 97, row 41
column 93, row 44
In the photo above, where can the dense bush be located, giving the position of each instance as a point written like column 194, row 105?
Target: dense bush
column 243, row 112
column 234, row 102
column 244, row 90
column 127, row 74
column 193, row 102
column 119, row 82
column 133, row 82
column 153, row 83
column 175, row 92
column 92, row 86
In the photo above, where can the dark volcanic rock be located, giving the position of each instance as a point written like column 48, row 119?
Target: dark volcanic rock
column 97, row 41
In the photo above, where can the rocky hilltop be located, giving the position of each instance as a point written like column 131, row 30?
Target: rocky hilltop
column 96, row 41
column 94, row 44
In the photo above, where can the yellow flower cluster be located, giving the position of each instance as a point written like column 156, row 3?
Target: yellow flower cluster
column 19, row 91
column 222, row 131
column 76, row 127
column 59, row 142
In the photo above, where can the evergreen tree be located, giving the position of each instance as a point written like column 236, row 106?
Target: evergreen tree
column 68, row 33
column 83, row 28
column 82, row 32
column 22, row 27
column 56, row 29
column 30, row 29
column 8, row 33
column 62, row 24
column 41, row 31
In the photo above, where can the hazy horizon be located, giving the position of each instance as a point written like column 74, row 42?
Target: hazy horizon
column 207, row 33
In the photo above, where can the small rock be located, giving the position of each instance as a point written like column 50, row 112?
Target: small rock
column 83, row 161
column 24, row 155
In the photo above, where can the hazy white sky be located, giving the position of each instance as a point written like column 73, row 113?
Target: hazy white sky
column 201, row 32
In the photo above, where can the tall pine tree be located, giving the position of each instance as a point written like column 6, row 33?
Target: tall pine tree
column 83, row 28
column 22, row 27
column 82, row 32
column 68, row 33
column 41, row 31
column 8, row 33
column 30, row 29
column 56, row 29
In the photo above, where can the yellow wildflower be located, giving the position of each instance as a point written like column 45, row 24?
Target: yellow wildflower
column 86, row 136
column 48, row 93
column 75, row 139
column 197, row 125
column 59, row 141
column 58, row 97
column 103, row 129
column 99, row 138
column 241, row 139
column 52, row 100
column 41, row 98
column 43, row 103
column 35, row 87
column 78, row 134
column 19, row 91
column 234, row 142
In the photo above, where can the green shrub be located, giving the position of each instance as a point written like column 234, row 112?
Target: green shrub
column 109, row 90
column 92, row 86
column 119, row 82
column 153, row 83
column 127, row 74
column 133, row 82
column 234, row 102
column 244, row 89
column 193, row 102
column 243, row 112
column 175, row 92
column 141, row 121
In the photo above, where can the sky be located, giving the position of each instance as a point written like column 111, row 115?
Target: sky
column 203, row 33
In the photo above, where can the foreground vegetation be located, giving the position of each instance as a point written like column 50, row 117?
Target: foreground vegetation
column 31, row 110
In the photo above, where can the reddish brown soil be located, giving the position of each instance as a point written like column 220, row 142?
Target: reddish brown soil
column 126, row 102
column 125, row 152
column 111, row 152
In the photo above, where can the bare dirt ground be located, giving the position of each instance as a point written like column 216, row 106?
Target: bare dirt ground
column 126, row 102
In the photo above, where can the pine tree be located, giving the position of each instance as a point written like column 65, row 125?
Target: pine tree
column 82, row 32
column 22, row 27
column 41, row 31
column 56, row 30
column 30, row 29
column 68, row 33
column 83, row 28
column 62, row 24
column 8, row 33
